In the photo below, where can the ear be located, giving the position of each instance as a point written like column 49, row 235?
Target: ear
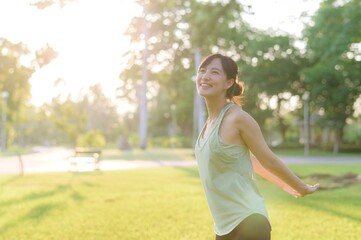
column 229, row 83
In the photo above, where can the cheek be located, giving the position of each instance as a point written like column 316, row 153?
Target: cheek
column 197, row 78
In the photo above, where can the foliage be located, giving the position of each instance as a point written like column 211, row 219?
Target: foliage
column 102, row 114
column 353, row 133
column 270, row 68
column 14, row 79
column 90, row 139
column 333, row 47
column 62, row 121
column 149, row 154
column 175, row 29
column 68, row 117
column 170, row 142
column 269, row 64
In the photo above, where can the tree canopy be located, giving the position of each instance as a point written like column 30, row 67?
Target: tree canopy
column 334, row 51
column 271, row 66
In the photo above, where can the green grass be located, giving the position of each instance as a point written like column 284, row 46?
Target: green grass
column 313, row 152
column 187, row 153
column 162, row 204
column 149, row 154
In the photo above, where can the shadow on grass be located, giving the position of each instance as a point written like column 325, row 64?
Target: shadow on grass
column 76, row 196
column 331, row 181
column 333, row 205
column 37, row 214
column 59, row 189
column 35, row 196
column 40, row 211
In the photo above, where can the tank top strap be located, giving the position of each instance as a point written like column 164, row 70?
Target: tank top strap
column 221, row 115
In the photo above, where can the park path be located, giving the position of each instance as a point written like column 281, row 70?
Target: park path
column 47, row 160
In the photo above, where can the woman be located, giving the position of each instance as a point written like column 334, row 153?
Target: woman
column 225, row 164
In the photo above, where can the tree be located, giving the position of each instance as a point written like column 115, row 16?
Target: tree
column 14, row 79
column 270, row 68
column 175, row 29
column 68, row 117
column 63, row 121
column 102, row 114
column 334, row 76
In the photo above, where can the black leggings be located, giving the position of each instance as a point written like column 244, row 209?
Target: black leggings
column 254, row 227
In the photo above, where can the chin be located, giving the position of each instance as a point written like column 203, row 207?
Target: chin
column 205, row 95
column 202, row 93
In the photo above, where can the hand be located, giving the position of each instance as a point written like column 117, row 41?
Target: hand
column 308, row 189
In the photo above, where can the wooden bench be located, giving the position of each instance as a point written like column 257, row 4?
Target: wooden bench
column 84, row 157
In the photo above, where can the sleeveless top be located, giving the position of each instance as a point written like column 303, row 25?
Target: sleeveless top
column 227, row 177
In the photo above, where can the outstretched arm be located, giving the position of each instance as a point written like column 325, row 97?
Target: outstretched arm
column 267, row 164
column 260, row 170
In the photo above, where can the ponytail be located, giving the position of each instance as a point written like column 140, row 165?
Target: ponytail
column 235, row 93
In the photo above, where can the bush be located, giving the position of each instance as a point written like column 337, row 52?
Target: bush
column 91, row 139
column 170, row 142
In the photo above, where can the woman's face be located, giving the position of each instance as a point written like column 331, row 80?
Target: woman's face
column 212, row 80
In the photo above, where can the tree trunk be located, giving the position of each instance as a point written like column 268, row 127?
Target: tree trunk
column 281, row 121
column 283, row 128
column 21, row 164
column 338, row 139
column 143, row 114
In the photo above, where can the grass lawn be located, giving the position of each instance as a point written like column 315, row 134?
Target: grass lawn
column 149, row 154
column 162, row 204
column 314, row 153
column 187, row 153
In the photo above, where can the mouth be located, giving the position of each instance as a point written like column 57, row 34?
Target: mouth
column 205, row 85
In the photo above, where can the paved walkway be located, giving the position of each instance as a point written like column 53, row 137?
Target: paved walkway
column 55, row 160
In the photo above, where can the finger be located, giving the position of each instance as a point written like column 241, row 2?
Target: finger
column 316, row 186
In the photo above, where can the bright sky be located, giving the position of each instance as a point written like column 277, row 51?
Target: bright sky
column 88, row 35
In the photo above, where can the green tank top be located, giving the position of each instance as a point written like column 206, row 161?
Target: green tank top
column 227, row 177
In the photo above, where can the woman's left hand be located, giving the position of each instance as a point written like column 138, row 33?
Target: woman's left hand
column 308, row 189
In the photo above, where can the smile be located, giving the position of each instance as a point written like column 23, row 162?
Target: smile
column 204, row 85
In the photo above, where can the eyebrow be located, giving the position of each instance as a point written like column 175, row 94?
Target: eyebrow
column 213, row 68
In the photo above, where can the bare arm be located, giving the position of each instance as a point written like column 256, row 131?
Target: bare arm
column 267, row 164
column 260, row 170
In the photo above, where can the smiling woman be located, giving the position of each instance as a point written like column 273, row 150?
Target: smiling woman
column 87, row 35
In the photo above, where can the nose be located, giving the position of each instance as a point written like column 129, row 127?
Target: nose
column 205, row 76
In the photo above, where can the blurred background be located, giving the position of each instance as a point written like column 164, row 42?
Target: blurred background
column 119, row 73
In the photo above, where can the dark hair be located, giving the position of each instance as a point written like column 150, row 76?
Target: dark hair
column 231, row 70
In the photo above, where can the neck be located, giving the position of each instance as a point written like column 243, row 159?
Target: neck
column 214, row 107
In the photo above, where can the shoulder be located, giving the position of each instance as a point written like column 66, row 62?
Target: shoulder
column 240, row 118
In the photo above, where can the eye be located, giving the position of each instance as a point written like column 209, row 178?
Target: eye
column 215, row 72
column 202, row 70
